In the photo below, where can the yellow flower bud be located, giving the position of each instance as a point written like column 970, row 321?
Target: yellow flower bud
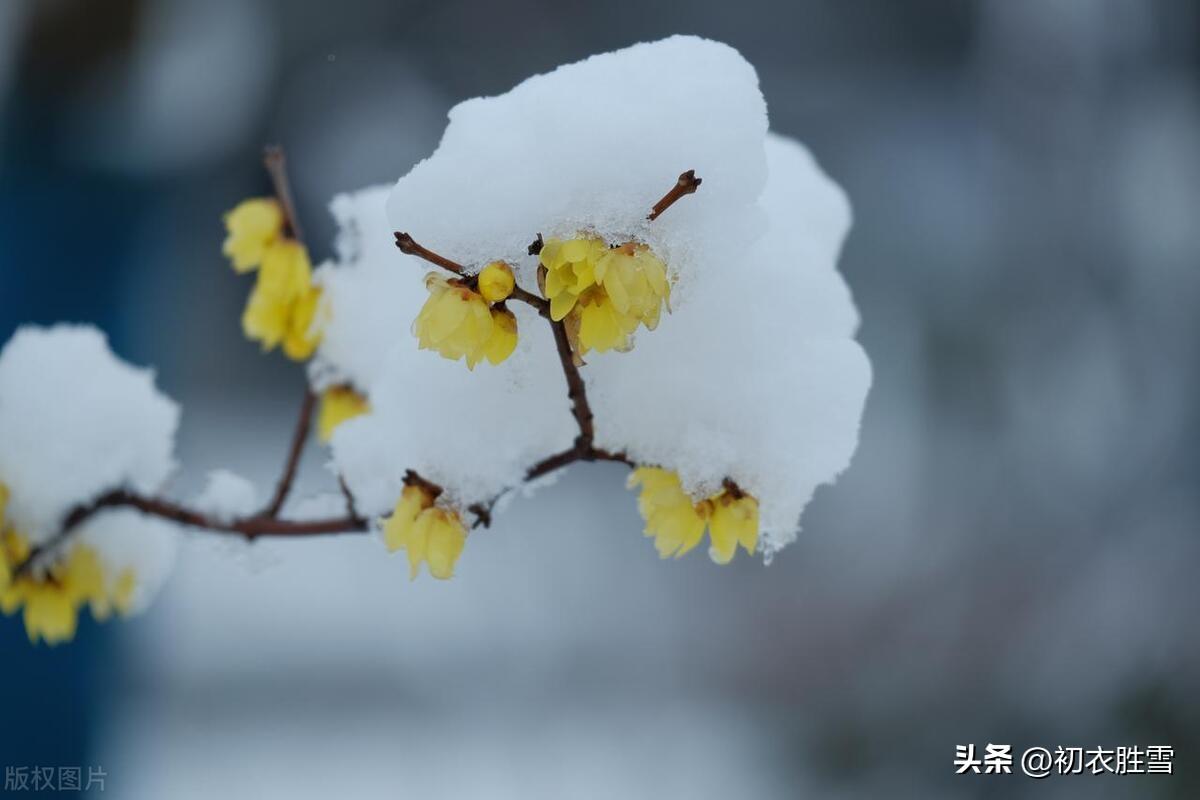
column 338, row 404
column 496, row 282
column 252, row 227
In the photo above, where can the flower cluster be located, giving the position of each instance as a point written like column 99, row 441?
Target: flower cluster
column 426, row 532
column 603, row 292
column 52, row 599
column 677, row 522
column 462, row 321
column 282, row 309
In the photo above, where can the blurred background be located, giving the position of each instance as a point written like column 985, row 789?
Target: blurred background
column 1011, row 558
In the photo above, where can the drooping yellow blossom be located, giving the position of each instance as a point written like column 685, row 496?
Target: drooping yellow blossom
column 51, row 599
column 252, row 227
column 601, row 326
column 283, row 305
column 734, row 521
column 457, row 323
column 496, row 282
column 49, row 613
column 677, row 522
column 603, row 293
column 636, row 281
column 338, row 404
column 427, row 533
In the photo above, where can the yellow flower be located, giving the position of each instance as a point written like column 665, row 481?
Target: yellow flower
column 427, row 533
column 496, row 282
column 252, row 227
column 302, row 334
column 677, row 522
column 51, row 600
column 338, row 404
column 282, row 308
column 570, row 271
column 603, row 293
column 734, row 521
column 601, row 326
column 14, row 548
column 457, row 323
column 636, row 281
column 49, row 612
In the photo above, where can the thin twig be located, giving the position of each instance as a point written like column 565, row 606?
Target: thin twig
column 687, row 184
column 276, row 163
column 250, row 527
column 410, row 247
column 299, row 438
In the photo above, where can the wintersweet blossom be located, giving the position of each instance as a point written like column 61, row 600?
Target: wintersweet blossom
column 253, row 226
column 52, row 598
column 603, row 292
column 425, row 532
column 282, row 308
column 457, row 322
column 677, row 522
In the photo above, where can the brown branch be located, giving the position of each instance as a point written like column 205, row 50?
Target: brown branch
column 299, row 439
column 250, row 527
column 410, row 247
column 687, row 184
column 276, row 163
column 576, row 390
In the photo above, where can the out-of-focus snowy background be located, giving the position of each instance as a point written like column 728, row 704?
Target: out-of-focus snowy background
column 1010, row 559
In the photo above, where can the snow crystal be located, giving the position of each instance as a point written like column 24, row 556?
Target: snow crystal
column 227, row 495
column 75, row 421
column 755, row 377
column 127, row 539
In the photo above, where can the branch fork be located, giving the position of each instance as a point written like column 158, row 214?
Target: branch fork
column 268, row 522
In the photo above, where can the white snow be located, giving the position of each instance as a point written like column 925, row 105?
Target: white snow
column 227, row 495
column 75, row 421
column 128, row 539
column 755, row 376
column 592, row 146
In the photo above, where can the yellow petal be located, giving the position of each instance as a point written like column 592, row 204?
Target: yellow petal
column 503, row 340
column 447, row 536
column 252, row 226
